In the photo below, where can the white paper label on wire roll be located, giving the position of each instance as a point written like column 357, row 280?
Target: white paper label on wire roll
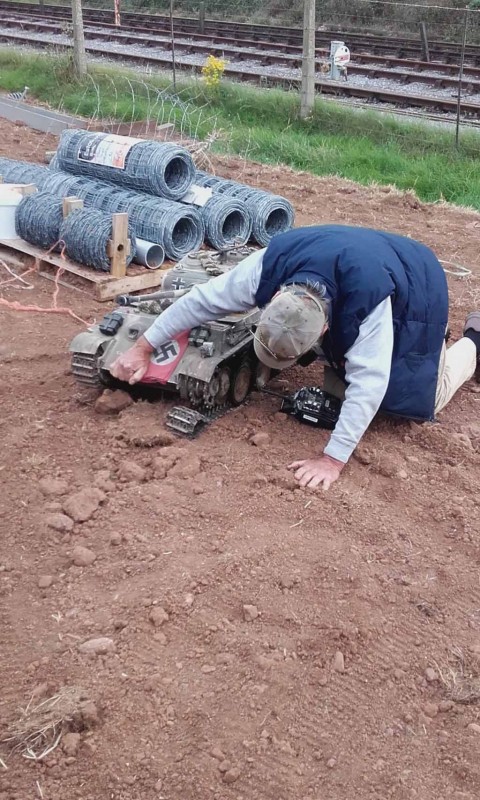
column 109, row 150
column 197, row 195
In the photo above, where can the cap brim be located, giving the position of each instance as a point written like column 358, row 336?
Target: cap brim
column 264, row 356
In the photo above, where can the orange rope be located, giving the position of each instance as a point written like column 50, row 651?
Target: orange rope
column 14, row 305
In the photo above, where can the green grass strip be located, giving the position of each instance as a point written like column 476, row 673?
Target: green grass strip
column 263, row 124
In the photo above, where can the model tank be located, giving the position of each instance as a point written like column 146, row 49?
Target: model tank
column 209, row 367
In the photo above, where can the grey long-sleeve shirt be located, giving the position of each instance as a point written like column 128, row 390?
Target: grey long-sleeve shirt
column 368, row 361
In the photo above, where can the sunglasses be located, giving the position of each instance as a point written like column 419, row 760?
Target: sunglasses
column 256, row 338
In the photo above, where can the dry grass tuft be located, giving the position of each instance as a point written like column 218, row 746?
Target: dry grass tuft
column 461, row 676
column 200, row 150
column 39, row 729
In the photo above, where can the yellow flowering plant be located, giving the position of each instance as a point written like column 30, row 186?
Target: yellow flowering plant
column 212, row 71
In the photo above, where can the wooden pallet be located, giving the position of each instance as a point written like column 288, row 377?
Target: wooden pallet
column 103, row 285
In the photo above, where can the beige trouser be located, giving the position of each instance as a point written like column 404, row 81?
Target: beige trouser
column 457, row 365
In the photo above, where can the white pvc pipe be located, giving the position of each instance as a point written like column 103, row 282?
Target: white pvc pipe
column 149, row 254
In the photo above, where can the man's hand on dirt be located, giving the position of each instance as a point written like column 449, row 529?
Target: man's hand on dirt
column 132, row 365
column 315, row 471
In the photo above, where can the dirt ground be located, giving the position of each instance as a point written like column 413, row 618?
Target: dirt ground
column 262, row 641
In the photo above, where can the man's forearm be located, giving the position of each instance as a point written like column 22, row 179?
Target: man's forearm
column 231, row 292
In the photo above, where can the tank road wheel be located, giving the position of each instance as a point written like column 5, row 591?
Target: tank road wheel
column 241, row 382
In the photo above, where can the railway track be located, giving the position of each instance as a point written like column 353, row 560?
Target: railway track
column 252, row 63
column 401, row 70
column 401, row 47
column 332, row 88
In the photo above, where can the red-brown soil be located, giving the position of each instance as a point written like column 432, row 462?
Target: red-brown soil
column 211, row 699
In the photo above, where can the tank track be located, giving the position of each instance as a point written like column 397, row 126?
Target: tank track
column 85, row 369
column 189, row 422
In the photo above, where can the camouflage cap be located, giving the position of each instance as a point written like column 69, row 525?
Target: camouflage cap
column 289, row 326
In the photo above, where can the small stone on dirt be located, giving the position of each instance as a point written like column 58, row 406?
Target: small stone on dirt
column 103, row 480
column 474, row 727
column 331, row 763
column 250, row 613
column 260, row 439
column 53, row 487
column 187, row 468
column 225, row 766
column 45, row 581
column 339, row 662
column 430, row 675
column 430, row 709
column 208, row 668
column 131, row 471
column 231, row 776
column 158, row 616
column 445, row 705
column 112, row 402
column 71, row 743
column 60, row 522
column 215, row 752
column 98, row 647
column 82, row 556
column 89, row 714
column 83, row 504
column 115, row 539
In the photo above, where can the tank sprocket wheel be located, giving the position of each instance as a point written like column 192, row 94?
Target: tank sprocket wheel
column 241, row 382
column 216, row 390
column 195, row 389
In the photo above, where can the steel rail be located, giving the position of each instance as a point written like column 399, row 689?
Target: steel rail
column 332, row 88
column 375, row 43
column 471, row 81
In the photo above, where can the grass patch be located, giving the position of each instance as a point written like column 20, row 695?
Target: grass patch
column 263, row 125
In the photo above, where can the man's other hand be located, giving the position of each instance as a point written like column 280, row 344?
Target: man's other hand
column 132, row 365
column 315, row 471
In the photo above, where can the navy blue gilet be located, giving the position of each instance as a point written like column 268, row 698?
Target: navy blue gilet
column 359, row 268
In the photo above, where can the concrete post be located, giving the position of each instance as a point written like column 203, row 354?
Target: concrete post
column 307, row 92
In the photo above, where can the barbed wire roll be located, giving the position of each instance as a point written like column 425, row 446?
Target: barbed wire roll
column 159, row 168
column 63, row 184
column 38, row 218
column 23, row 172
column 86, row 233
column 53, row 164
column 178, row 228
column 271, row 214
column 227, row 221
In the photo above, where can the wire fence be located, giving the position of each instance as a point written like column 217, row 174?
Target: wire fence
column 443, row 17
column 407, row 49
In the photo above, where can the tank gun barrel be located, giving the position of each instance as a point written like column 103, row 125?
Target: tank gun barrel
column 170, row 294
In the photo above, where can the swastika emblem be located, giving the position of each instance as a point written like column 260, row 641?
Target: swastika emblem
column 166, row 353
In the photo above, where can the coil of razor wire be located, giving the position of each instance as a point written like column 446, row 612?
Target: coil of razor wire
column 159, row 168
column 38, row 218
column 86, row 233
column 227, row 220
column 178, row 228
column 271, row 214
